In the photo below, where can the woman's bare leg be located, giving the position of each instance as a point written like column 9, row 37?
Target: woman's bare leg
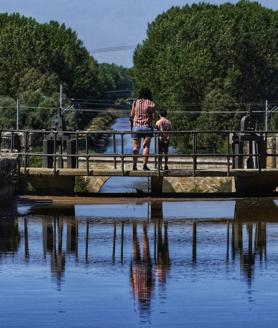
column 136, row 148
column 146, row 147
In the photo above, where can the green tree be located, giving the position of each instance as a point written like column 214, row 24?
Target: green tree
column 206, row 58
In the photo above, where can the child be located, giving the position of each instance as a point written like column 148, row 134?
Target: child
column 164, row 126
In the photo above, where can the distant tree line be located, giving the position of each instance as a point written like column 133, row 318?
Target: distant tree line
column 35, row 58
column 209, row 58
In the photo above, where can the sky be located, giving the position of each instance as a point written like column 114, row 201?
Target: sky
column 104, row 23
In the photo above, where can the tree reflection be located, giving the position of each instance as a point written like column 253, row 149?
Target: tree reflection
column 9, row 236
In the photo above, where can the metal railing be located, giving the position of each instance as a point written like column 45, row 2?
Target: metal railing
column 27, row 144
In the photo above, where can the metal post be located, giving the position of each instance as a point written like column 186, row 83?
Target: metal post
column 114, row 150
column 87, row 155
column 17, row 114
column 55, row 150
column 12, row 142
column 77, row 150
column 25, row 152
column 266, row 115
column 155, row 151
column 228, row 157
column 122, row 153
column 194, row 153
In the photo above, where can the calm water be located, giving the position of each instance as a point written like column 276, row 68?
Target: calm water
column 139, row 264
column 170, row 264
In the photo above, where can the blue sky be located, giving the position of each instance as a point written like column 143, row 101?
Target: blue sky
column 104, row 23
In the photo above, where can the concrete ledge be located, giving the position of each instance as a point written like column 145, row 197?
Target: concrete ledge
column 51, row 185
column 152, row 173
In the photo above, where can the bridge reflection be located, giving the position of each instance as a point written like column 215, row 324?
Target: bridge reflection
column 151, row 249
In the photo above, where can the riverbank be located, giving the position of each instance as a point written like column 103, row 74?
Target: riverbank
column 101, row 123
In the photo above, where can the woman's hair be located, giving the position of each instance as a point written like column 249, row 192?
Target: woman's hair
column 145, row 93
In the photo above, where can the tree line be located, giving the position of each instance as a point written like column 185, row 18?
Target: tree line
column 35, row 58
column 206, row 58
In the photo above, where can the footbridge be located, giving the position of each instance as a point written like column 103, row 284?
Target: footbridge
column 51, row 160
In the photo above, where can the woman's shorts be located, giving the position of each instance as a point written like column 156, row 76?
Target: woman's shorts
column 142, row 132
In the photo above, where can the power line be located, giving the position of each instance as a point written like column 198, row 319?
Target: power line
column 113, row 49
column 173, row 112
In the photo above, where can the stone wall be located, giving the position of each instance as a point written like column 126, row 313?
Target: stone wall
column 212, row 184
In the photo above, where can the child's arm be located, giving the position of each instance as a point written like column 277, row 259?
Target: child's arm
column 132, row 112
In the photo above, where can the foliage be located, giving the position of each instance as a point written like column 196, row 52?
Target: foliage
column 113, row 77
column 8, row 112
column 34, row 59
column 81, row 184
column 211, row 57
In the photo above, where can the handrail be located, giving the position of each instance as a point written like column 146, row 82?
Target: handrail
column 80, row 142
column 130, row 131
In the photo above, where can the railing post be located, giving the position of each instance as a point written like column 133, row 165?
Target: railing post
column 55, row 149
column 87, row 154
column 228, row 157
column 114, row 151
column 12, row 141
column 194, row 153
column 25, row 151
column 60, row 149
column 155, row 151
column 122, row 153
column 77, row 158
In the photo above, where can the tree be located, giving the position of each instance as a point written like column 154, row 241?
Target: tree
column 206, row 57
column 35, row 58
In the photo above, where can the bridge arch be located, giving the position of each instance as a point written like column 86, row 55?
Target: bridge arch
column 96, row 183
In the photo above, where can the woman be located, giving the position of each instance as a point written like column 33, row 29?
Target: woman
column 141, row 116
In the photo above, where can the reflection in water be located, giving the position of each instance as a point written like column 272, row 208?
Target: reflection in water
column 52, row 230
column 248, row 250
column 141, row 275
column 163, row 262
column 9, row 236
column 245, row 241
column 150, row 255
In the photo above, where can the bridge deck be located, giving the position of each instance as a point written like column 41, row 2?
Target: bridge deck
column 219, row 172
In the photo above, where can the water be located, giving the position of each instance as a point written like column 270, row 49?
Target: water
column 126, row 184
column 123, row 124
column 134, row 263
column 139, row 264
